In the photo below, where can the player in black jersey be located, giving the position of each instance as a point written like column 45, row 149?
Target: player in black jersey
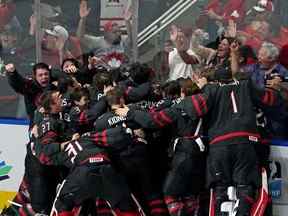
column 134, row 161
column 184, row 180
column 91, row 174
column 228, row 105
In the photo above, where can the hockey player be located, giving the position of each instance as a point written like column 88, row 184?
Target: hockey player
column 31, row 89
column 231, row 121
column 91, row 174
column 103, row 83
column 184, row 179
column 133, row 162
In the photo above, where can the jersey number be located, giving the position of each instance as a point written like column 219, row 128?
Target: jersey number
column 234, row 104
column 72, row 150
column 45, row 127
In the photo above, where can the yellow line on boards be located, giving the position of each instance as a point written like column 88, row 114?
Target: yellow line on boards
column 4, row 197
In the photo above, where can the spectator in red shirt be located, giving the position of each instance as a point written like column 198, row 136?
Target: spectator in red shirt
column 283, row 56
column 255, row 33
column 262, row 24
column 223, row 10
column 218, row 12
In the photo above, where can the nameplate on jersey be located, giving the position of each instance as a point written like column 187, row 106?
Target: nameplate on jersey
column 234, row 83
column 200, row 144
column 253, row 138
column 115, row 120
column 96, row 159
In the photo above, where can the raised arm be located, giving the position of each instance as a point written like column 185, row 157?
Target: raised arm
column 234, row 54
column 114, row 139
column 182, row 45
column 83, row 12
column 154, row 120
column 16, row 81
column 197, row 106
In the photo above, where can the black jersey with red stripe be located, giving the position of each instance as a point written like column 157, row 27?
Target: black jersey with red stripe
column 81, row 120
column 92, row 147
column 52, row 131
column 180, row 125
column 137, row 93
column 229, row 110
column 111, row 120
column 96, row 147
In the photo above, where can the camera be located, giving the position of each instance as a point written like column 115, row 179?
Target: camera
column 275, row 74
column 272, row 75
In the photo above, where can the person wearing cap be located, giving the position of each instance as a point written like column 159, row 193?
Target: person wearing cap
column 218, row 12
column 113, row 46
column 58, row 45
column 225, row 9
column 263, row 5
column 53, row 44
column 259, row 10
column 261, row 23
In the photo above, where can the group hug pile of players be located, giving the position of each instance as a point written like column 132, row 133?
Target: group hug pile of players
column 126, row 146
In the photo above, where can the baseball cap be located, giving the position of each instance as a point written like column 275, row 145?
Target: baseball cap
column 264, row 5
column 58, row 31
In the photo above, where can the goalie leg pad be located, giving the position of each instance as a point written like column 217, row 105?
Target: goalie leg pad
column 245, row 194
column 220, row 197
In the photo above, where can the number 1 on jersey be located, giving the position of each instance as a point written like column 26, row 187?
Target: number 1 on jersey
column 235, row 109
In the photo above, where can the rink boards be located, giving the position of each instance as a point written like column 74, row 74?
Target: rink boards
column 14, row 137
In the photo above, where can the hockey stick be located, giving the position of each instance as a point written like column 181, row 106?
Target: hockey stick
column 140, row 209
column 13, row 208
column 113, row 212
column 258, row 209
column 53, row 209
column 15, row 203
column 212, row 203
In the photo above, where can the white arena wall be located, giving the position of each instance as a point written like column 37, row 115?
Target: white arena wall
column 14, row 136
